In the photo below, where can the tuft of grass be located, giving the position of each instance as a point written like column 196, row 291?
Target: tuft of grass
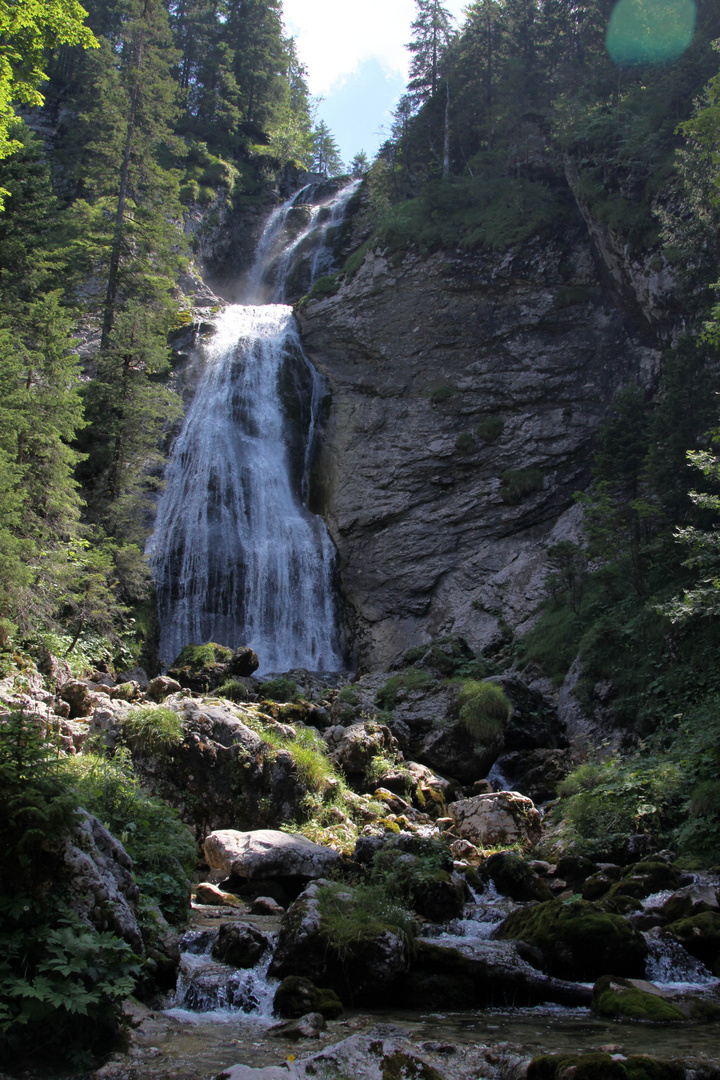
column 280, row 689
column 349, row 917
column 327, row 285
column 153, row 728
column 414, row 679
column 233, row 690
column 484, row 709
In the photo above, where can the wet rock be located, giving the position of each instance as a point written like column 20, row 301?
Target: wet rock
column 207, row 893
column 161, row 687
column 514, row 878
column 637, row 999
column 476, row 974
column 364, row 969
column 265, row 853
column 536, row 773
column 578, row 940
column 692, row 900
column 700, row 935
column 594, row 1065
column 296, row 996
column 266, row 905
column 504, row 817
column 306, row 1027
column 575, row 869
column 240, row 944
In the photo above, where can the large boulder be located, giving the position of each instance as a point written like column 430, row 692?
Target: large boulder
column 201, row 667
column 578, row 940
column 502, row 817
column 534, row 723
column 297, row 996
column 267, row 853
column 223, row 774
column 365, row 967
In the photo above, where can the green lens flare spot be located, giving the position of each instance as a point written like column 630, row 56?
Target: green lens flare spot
column 650, row 31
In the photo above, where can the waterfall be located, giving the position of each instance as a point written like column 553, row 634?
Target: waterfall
column 237, row 557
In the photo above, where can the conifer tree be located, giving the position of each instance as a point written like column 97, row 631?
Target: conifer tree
column 432, row 33
column 326, row 155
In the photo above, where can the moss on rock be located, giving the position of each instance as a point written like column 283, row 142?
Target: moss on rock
column 600, row 1066
column 700, row 935
column 621, row 999
column 297, row 996
column 579, row 940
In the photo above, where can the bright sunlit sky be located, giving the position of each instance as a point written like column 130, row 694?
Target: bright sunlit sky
column 357, row 61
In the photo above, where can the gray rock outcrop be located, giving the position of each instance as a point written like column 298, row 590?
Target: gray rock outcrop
column 448, row 375
column 504, row 817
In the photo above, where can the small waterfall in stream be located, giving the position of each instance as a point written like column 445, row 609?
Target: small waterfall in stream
column 237, row 556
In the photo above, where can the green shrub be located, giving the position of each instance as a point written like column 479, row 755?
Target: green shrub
column 465, row 442
column 197, row 657
column 163, row 850
column 406, row 879
column 490, row 429
column 571, row 294
column 153, row 728
column 441, row 393
column 327, row 285
column 62, row 984
column 517, row 484
column 484, row 709
column 233, row 690
column 356, row 259
column 348, row 694
column 280, row 689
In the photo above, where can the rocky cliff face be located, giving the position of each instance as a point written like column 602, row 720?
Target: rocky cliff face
column 466, row 393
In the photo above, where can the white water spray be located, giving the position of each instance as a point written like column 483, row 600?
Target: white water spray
column 238, row 558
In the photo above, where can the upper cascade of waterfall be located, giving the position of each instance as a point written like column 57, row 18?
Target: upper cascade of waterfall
column 237, row 556
column 297, row 242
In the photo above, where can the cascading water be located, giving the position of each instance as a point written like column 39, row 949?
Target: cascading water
column 238, row 558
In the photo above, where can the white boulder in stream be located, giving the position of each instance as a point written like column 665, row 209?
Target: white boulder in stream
column 267, row 853
column 501, row 817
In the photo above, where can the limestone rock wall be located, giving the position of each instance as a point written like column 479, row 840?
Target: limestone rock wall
column 417, row 357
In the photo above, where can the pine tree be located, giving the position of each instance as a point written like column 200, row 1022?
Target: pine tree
column 432, row 34
column 360, row 164
column 326, row 155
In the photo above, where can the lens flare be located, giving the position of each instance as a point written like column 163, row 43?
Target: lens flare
column 650, row 31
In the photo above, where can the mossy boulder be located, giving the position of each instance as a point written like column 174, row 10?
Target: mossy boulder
column 201, row 667
column 700, row 935
column 626, row 999
column 600, row 1066
column 635, row 999
column 513, row 877
column 296, row 996
column 578, row 940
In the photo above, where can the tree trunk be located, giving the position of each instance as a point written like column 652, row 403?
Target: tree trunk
column 111, row 293
column 446, row 144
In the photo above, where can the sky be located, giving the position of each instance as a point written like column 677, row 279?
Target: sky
column 357, row 62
